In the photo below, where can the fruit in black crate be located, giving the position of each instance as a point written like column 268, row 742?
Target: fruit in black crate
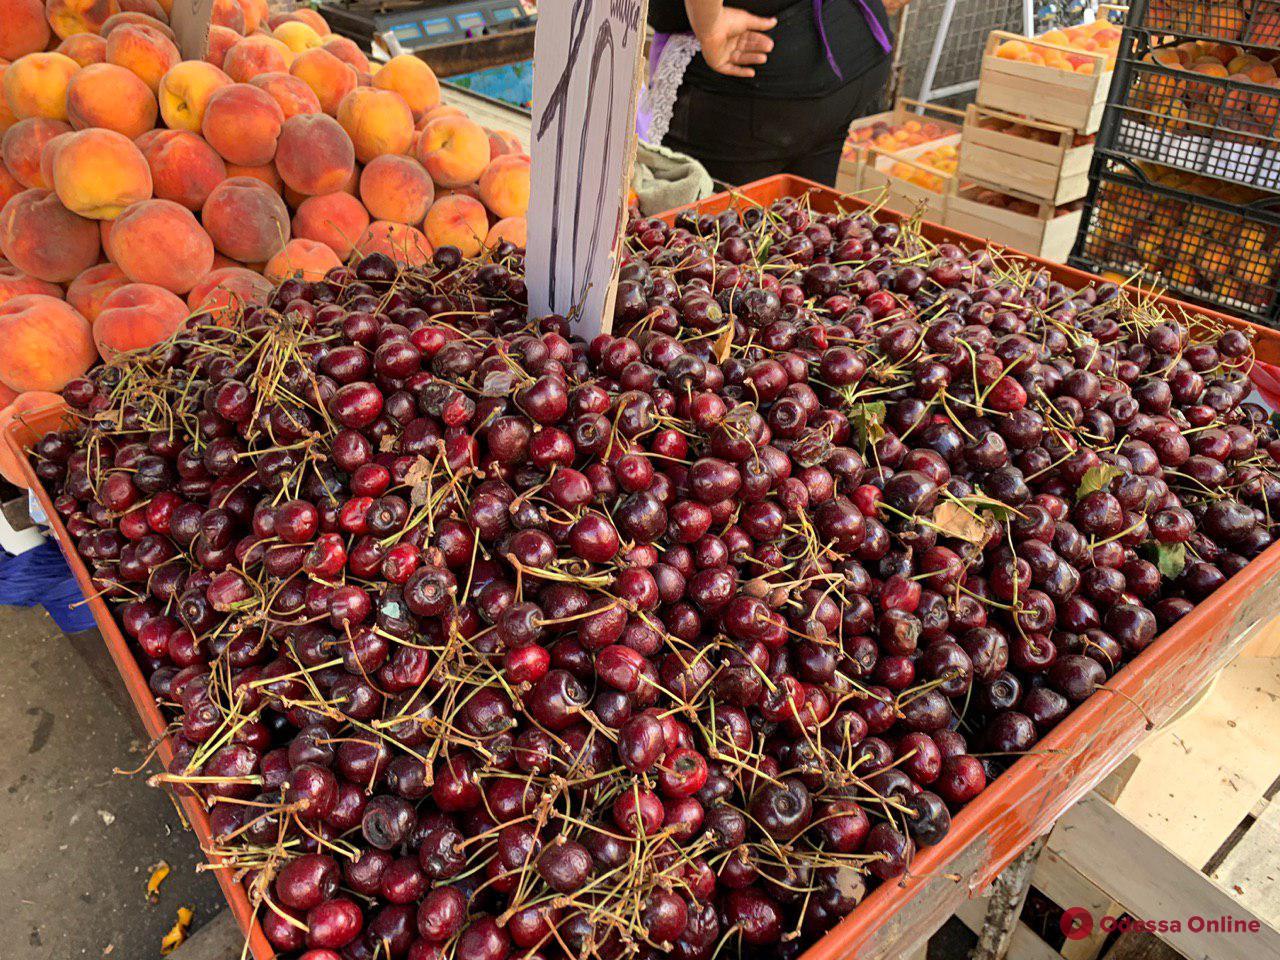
column 476, row 635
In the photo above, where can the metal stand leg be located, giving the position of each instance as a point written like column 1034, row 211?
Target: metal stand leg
column 1029, row 18
column 1008, row 894
column 935, row 55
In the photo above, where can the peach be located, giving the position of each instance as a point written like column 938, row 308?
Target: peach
column 221, row 40
column 503, row 142
column 1226, row 20
column 327, row 76
column 346, row 50
column 44, row 343
column 243, row 124
column 229, row 14
column 88, row 290
column 265, row 173
column 226, row 289
column 315, row 154
column 246, row 219
column 1264, row 27
column 40, row 236
column 117, row 20
column 105, row 95
column 337, row 220
column 23, row 408
column 7, row 397
column 160, row 242
column 454, row 150
column 297, row 36
column 440, row 110
column 308, row 259
column 513, row 230
column 7, row 117
column 22, row 145
column 84, row 48
column 97, row 173
column 255, row 12
column 15, row 283
column 399, row 241
column 9, row 187
column 300, row 14
column 504, row 186
column 135, row 317
column 457, row 221
column 378, row 122
column 151, row 8
column 293, row 95
column 1210, row 67
column 185, row 91
column 255, row 55
column 396, row 188
column 466, row 190
column 144, row 50
column 69, row 17
column 36, row 85
column 184, row 168
column 412, row 79
column 23, row 28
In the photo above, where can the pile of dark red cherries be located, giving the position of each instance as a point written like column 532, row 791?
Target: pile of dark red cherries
column 481, row 641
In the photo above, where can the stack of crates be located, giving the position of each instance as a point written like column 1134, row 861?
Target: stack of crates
column 1186, row 183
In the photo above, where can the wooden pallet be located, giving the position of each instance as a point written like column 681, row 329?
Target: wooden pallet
column 1188, row 827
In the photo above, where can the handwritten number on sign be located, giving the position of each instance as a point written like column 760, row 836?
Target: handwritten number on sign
column 557, row 111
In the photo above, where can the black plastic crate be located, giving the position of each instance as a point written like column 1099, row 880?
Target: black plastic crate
column 1216, row 126
column 1206, row 248
column 1250, row 23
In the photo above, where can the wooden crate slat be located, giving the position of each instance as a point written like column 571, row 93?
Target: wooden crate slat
column 1201, row 775
column 488, row 113
column 1152, row 882
column 1251, row 870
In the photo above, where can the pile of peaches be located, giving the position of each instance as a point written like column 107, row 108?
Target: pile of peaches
column 1254, row 22
column 1027, row 208
column 1193, row 106
column 1192, row 248
column 932, row 169
column 1028, row 132
column 890, row 137
column 137, row 187
column 1073, row 49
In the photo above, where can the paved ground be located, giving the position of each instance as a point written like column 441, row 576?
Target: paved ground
column 76, row 839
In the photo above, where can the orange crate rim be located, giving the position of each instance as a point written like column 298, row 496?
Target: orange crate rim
column 989, row 832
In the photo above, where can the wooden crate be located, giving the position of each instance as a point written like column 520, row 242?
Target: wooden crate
column 906, row 196
column 855, row 158
column 1075, row 100
column 1048, row 234
column 1188, row 827
column 1055, row 172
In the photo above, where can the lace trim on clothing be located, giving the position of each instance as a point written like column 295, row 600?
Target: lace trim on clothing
column 659, row 98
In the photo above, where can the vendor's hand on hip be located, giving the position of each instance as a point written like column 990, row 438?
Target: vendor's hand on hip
column 736, row 42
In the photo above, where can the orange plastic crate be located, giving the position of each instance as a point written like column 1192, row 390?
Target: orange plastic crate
column 1017, row 807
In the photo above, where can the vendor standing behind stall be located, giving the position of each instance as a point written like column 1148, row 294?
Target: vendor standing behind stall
column 776, row 84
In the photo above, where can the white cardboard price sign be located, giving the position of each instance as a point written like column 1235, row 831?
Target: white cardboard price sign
column 189, row 20
column 587, row 57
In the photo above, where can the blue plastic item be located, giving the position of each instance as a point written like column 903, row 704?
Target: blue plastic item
column 511, row 83
column 40, row 577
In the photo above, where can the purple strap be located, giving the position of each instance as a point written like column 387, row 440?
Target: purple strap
column 873, row 23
